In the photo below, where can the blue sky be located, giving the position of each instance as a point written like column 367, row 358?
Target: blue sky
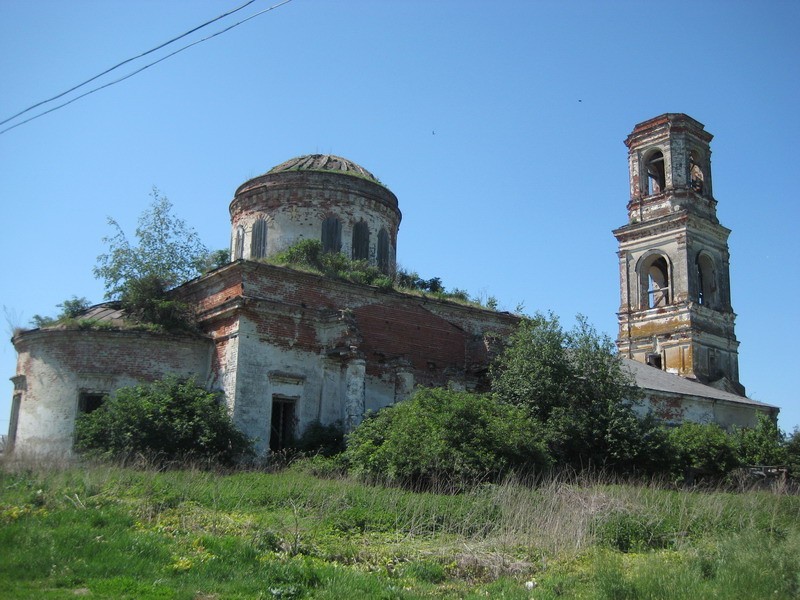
column 498, row 125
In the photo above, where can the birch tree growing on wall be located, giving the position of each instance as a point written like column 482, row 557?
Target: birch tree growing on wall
column 166, row 249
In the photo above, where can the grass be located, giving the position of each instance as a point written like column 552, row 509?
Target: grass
column 110, row 532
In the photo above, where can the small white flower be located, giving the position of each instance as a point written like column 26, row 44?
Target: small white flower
column 529, row 585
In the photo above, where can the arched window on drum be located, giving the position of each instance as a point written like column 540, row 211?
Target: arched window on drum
column 331, row 235
column 383, row 251
column 258, row 242
column 360, row 241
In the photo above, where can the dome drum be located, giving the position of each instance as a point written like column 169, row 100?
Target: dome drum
column 316, row 197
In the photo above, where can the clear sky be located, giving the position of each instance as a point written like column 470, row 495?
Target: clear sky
column 499, row 125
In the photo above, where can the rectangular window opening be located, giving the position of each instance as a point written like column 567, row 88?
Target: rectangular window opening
column 90, row 401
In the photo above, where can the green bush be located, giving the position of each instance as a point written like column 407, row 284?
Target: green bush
column 309, row 254
column 793, row 453
column 763, row 444
column 326, row 440
column 634, row 532
column 443, row 437
column 166, row 420
column 704, row 449
column 71, row 308
column 146, row 300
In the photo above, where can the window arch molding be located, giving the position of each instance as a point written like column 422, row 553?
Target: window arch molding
column 654, row 171
column 654, row 276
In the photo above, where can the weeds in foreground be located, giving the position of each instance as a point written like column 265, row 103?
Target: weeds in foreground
column 115, row 532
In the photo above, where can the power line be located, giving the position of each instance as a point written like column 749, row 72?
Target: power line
column 124, row 62
column 147, row 66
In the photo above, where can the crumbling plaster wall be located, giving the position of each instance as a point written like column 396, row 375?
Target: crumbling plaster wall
column 55, row 366
column 674, row 409
column 336, row 348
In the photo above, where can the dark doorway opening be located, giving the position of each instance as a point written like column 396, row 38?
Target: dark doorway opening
column 282, row 426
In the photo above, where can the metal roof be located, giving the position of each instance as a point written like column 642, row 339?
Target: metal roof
column 652, row 378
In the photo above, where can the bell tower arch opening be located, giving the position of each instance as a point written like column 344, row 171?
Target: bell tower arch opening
column 654, row 281
column 706, row 280
column 697, row 172
column 656, row 173
column 673, row 253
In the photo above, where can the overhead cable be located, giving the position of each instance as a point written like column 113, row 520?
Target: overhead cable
column 147, row 66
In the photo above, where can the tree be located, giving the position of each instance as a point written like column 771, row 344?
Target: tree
column 167, row 249
column 574, row 384
column 446, row 437
column 216, row 259
column 534, row 370
column 168, row 419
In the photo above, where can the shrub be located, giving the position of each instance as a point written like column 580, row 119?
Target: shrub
column 309, row 254
column 170, row 419
column 763, row 444
column 146, row 300
column 70, row 309
column 632, row 531
column 445, row 437
column 793, row 453
column 702, row 448
column 326, row 440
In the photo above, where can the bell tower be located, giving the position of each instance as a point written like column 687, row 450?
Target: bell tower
column 675, row 301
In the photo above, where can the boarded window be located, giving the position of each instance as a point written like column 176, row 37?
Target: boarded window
column 282, row 426
column 258, row 243
column 331, row 235
column 383, row 250
column 238, row 243
column 360, row 241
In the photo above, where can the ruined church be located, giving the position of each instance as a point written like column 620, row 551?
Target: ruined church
column 287, row 348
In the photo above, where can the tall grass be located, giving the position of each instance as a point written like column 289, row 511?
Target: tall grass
column 118, row 532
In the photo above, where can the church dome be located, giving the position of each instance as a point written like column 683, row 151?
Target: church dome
column 324, row 162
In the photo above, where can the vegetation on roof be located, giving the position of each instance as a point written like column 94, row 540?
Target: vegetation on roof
column 307, row 255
